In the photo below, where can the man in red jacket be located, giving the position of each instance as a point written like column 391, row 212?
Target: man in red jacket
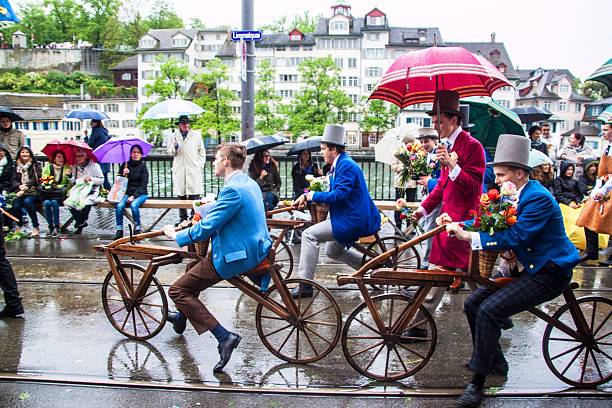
column 458, row 191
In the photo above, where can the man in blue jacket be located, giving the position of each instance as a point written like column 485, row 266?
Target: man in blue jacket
column 240, row 241
column 352, row 213
column 547, row 256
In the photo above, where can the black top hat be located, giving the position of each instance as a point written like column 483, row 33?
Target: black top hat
column 448, row 102
column 183, row 119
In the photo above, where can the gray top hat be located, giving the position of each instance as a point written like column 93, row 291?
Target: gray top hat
column 334, row 135
column 513, row 150
column 427, row 133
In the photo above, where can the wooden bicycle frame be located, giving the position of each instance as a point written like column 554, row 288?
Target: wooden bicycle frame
column 427, row 279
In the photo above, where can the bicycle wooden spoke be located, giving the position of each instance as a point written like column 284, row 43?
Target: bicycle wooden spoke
column 306, row 336
column 283, row 257
column 140, row 318
column 581, row 361
column 380, row 355
column 408, row 258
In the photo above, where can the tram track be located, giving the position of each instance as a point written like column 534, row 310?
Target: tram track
column 381, row 390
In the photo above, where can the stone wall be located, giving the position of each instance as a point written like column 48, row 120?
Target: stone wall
column 44, row 59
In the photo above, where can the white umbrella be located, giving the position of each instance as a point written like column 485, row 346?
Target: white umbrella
column 172, row 108
column 385, row 149
column 537, row 158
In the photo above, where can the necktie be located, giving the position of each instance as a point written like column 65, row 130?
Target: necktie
column 608, row 149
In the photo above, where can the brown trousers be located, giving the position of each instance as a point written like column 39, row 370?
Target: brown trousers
column 185, row 291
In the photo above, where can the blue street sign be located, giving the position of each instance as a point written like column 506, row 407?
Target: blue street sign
column 246, row 35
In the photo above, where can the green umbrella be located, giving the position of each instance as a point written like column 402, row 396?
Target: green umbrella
column 603, row 74
column 490, row 120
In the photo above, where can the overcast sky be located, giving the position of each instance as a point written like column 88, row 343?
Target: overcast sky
column 573, row 34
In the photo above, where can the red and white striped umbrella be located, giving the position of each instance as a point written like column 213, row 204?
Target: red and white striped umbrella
column 416, row 76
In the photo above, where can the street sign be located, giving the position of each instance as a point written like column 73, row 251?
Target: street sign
column 247, row 35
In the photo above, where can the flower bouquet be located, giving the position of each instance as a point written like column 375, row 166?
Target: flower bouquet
column 318, row 212
column 496, row 212
column 47, row 181
column 103, row 193
column 406, row 212
column 413, row 158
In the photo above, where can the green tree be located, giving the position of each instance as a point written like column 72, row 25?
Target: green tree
column 67, row 16
column 378, row 116
column 196, row 22
column 102, row 22
column 268, row 120
column 320, row 101
column 218, row 119
column 595, row 90
column 169, row 85
column 134, row 24
column 163, row 15
column 172, row 81
column 36, row 24
column 303, row 22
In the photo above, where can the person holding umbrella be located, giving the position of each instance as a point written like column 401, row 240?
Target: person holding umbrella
column 535, row 134
column 12, row 138
column 264, row 170
column 462, row 163
column 84, row 171
column 60, row 171
column 98, row 136
column 137, row 174
column 300, row 170
column 189, row 153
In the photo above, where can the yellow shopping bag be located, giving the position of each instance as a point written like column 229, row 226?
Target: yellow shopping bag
column 575, row 233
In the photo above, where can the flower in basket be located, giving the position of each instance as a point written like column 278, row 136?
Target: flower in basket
column 103, row 192
column 496, row 211
column 47, row 181
column 413, row 158
column 317, row 183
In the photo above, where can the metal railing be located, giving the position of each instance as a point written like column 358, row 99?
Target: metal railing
column 378, row 176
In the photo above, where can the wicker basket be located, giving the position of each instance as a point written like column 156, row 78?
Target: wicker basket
column 318, row 212
column 201, row 248
column 486, row 262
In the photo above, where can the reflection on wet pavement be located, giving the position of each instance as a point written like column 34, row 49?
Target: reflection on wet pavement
column 65, row 332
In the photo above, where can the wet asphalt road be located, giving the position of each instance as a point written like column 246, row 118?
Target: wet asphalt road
column 65, row 334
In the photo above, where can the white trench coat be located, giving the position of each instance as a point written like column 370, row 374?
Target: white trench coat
column 188, row 163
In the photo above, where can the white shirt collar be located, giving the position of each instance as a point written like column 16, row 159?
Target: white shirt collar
column 334, row 163
column 519, row 191
column 453, row 136
column 232, row 174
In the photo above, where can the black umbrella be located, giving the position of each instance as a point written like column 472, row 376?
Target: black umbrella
column 257, row 144
column 530, row 114
column 312, row 143
column 6, row 112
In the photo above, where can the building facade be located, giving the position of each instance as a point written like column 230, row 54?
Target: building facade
column 363, row 48
column 553, row 90
column 121, row 111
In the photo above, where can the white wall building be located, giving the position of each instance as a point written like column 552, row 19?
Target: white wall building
column 362, row 47
column 122, row 113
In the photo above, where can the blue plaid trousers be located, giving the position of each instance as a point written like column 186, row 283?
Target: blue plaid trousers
column 488, row 312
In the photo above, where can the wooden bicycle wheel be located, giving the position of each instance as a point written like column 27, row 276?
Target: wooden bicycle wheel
column 381, row 355
column 583, row 362
column 284, row 258
column 409, row 258
column 307, row 337
column 140, row 318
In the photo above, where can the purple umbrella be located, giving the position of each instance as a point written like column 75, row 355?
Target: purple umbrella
column 117, row 149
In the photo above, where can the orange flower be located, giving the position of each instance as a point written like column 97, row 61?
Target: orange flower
column 197, row 217
column 511, row 220
column 510, row 211
column 493, row 194
column 484, row 199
